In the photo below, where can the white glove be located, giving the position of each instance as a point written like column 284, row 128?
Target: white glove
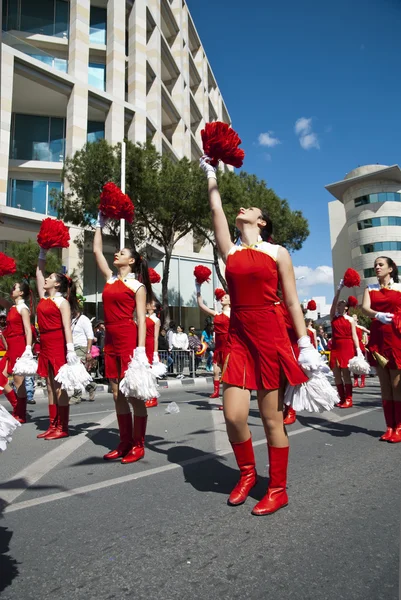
column 384, row 318
column 197, row 287
column 309, row 358
column 207, row 167
column 72, row 357
column 27, row 352
column 340, row 285
column 101, row 221
column 359, row 353
column 42, row 253
column 140, row 355
column 156, row 357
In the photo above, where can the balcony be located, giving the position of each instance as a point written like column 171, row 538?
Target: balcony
column 33, row 196
column 37, row 138
column 57, row 59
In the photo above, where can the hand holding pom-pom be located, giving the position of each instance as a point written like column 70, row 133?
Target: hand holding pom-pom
column 53, row 234
column 210, row 170
column 220, row 142
column 202, row 274
column 7, row 265
column 114, row 204
column 154, row 276
column 352, row 278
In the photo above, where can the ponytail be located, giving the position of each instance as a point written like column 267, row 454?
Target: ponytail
column 141, row 270
column 68, row 290
column 266, row 232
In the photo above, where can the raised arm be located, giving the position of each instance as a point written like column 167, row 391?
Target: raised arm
column 335, row 300
column 40, row 272
column 288, row 285
column 202, row 305
column 220, row 225
column 98, row 249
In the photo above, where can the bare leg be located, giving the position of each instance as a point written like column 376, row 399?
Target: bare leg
column 271, row 411
column 236, row 402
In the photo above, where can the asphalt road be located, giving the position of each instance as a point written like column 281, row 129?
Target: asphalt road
column 75, row 527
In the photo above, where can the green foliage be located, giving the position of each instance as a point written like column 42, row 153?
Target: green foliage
column 363, row 319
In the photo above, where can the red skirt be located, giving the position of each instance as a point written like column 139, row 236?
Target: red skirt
column 53, row 352
column 120, row 343
column 16, row 347
column 384, row 343
column 220, row 350
column 259, row 350
column 342, row 351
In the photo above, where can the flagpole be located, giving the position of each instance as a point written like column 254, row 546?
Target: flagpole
column 122, row 221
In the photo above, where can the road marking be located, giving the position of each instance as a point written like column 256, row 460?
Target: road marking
column 163, row 469
column 221, row 443
column 95, row 412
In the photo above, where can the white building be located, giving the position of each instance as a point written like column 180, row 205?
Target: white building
column 79, row 70
column 365, row 221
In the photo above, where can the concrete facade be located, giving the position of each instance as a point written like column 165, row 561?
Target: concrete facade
column 365, row 221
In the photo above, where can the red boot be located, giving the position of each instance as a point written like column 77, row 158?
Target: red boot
column 389, row 417
column 216, row 393
column 348, row 397
column 61, row 430
column 20, row 410
column 245, row 457
column 356, row 384
column 290, row 415
column 138, row 450
column 363, row 379
column 151, row 403
column 396, row 437
column 12, row 398
column 53, row 417
column 126, row 440
column 276, row 496
column 341, row 393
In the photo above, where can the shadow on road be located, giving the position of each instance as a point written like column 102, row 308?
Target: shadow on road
column 42, row 424
column 340, row 429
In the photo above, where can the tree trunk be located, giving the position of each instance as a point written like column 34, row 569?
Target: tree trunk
column 166, row 273
column 217, row 267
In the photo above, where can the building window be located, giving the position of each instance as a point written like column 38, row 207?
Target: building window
column 98, row 25
column 61, row 64
column 48, row 17
column 34, row 196
column 97, row 75
column 381, row 247
column 38, row 138
column 369, row 273
column 381, row 197
column 379, row 222
column 95, row 131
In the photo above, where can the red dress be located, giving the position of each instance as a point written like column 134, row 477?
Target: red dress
column 343, row 348
column 14, row 334
column 359, row 333
column 221, row 327
column 121, row 330
column 385, row 339
column 311, row 337
column 150, row 337
column 258, row 348
column 53, row 349
column 291, row 331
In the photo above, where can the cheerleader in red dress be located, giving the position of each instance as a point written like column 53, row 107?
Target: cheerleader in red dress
column 152, row 339
column 382, row 302
column 221, row 326
column 360, row 331
column 311, row 331
column 57, row 295
column 123, row 295
column 345, row 345
column 256, row 361
column 18, row 336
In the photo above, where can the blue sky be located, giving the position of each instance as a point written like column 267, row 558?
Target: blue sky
column 337, row 66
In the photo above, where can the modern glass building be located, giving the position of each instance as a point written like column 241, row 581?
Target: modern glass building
column 81, row 70
column 365, row 220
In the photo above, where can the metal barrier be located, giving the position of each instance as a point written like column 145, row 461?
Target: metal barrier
column 180, row 362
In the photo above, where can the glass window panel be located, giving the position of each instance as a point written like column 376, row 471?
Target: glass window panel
column 398, row 197
column 60, row 64
column 390, row 220
column 382, row 197
column 62, row 18
column 391, row 197
column 95, row 131
column 375, row 222
column 12, row 16
column 48, row 60
column 53, row 187
column 98, row 24
column 97, row 75
column 31, row 135
column 39, row 197
column 373, row 198
column 57, row 140
column 38, row 16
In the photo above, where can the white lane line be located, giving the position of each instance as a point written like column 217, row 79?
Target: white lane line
column 163, row 469
column 95, row 412
column 46, row 463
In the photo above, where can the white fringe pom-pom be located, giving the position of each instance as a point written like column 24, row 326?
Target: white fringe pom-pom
column 25, row 366
column 159, row 369
column 359, row 366
column 316, row 395
column 73, row 377
column 139, row 381
column 7, row 427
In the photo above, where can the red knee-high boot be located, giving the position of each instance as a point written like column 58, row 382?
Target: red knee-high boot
column 389, row 417
column 396, row 437
column 245, row 458
column 356, row 384
column 363, row 379
column 53, row 415
column 341, row 393
column 138, row 450
column 126, row 440
column 61, row 430
column 290, row 415
column 216, row 392
column 12, row 398
column 348, row 396
column 276, row 496
column 20, row 409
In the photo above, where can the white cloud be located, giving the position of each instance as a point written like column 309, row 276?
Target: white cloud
column 307, row 138
column 268, row 139
column 308, row 277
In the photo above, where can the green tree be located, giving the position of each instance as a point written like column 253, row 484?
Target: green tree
column 363, row 319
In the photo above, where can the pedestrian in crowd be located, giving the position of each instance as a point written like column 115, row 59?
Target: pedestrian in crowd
column 194, row 345
column 18, row 337
column 322, row 337
column 170, row 332
column 99, row 339
column 381, row 302
column 255, row 268
column 180, row 346
column 360, row 332
column 208, row 338
column 82, row 337
column 164, row 348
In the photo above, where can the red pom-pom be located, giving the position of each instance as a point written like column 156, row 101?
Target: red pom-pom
column 7, row 265
column 311, row 305
column 53, row 234
column 352, row 278
column 219, row 293
column 202, row 274
column 154, row 276
column 220, row 142
column 114, row 204
column 352, row 301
